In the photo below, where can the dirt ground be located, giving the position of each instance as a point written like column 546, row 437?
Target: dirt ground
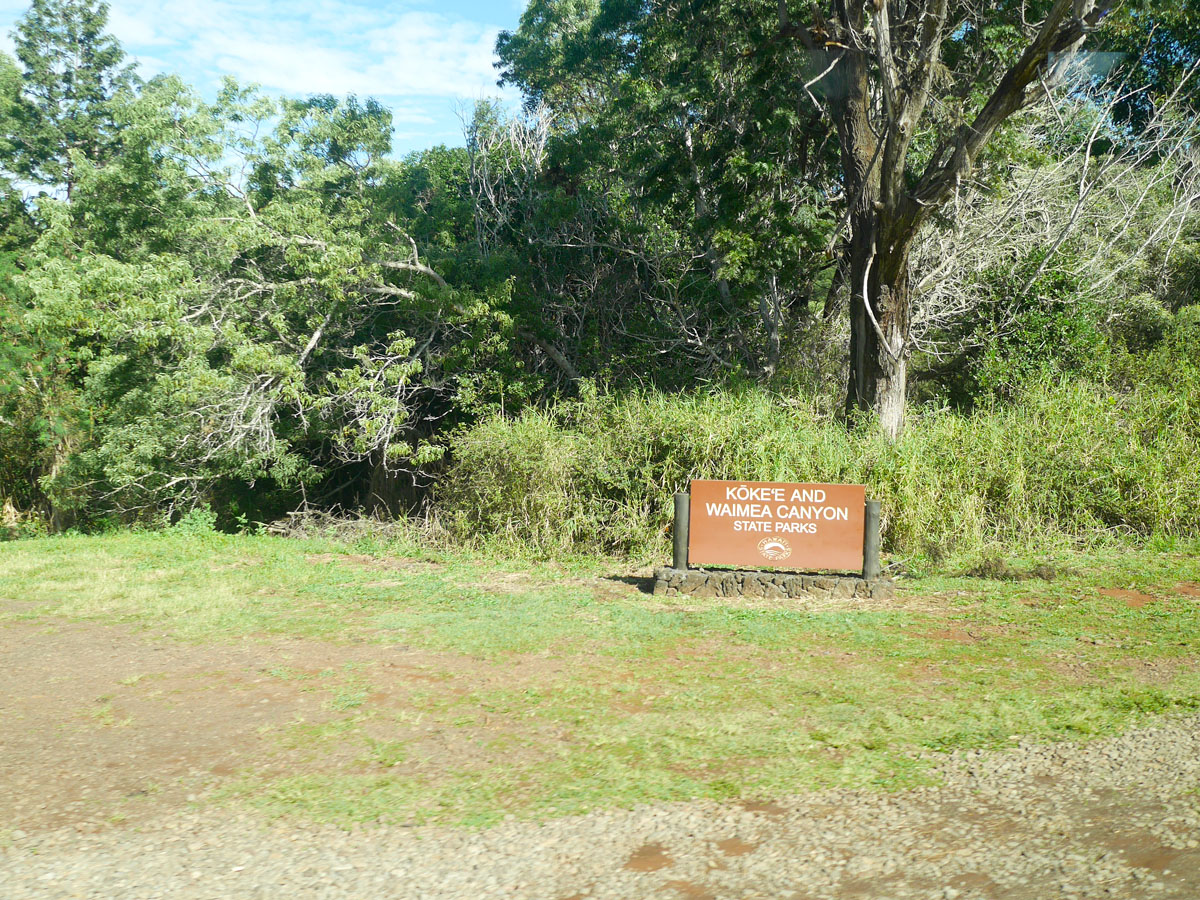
column 103, row 725
column 107, row 728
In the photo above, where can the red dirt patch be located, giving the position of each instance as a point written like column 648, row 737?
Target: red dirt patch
column 766, row 807
column 101, row 724
column 1133, row 599
column 389, row 564
column 953, row 635
column 1188, row 589
column 736, row 847
column 976, row 884
column 649, row 858
column 1162, row 672
column 690, row 890
column 958, row 635
column 1142, row 849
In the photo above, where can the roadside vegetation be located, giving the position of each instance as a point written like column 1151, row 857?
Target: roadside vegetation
column 1067, row 465
column 542, row 689
column 676, row 260
column 659, row 268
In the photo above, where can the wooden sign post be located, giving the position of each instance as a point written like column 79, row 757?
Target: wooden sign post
column 822, row 531
column 755, row 524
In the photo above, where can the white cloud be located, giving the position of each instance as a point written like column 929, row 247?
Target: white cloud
column 420, row 62
column 397, row 63
column 133, row 30
column 330, row 46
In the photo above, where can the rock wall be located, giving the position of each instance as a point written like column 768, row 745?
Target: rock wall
column 701, row 583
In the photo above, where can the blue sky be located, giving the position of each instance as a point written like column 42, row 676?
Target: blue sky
column 425, row 60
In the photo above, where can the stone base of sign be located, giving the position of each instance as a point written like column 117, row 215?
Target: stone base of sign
column 701, row 583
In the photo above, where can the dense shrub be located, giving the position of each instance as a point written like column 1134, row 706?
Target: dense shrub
column 1067, row 463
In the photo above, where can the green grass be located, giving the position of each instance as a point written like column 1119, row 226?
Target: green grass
column 550, row 690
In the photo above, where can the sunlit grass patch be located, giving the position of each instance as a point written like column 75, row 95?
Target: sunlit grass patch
column 541, row 689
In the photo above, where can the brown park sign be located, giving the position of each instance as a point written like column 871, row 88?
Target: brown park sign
column 756, row 524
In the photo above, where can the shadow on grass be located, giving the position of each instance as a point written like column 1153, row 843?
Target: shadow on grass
column 645, row 584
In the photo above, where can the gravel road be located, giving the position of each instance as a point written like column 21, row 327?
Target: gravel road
column 1118, row 818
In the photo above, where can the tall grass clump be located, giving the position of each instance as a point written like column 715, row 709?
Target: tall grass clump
column 1069, row 463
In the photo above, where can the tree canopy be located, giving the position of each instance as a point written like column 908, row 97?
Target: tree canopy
column 250, row 302
column 71, row 71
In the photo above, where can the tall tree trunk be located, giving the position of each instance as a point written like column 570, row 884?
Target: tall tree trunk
column 770, row 311
column 879, row 330
column 60, row 517
column 877, row 266
column 877, row 62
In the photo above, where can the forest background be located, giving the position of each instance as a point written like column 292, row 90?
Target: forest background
column 721, row 239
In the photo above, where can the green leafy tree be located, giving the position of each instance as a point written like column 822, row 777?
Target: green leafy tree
column 908, row 95
column 20, row 430
column 16, row 227
column 71, row 71
column 707, row 178
column 1160, row 44
column 235, row 301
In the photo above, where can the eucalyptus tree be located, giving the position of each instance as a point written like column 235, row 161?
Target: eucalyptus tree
column 915, row 90
column 911, row 92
